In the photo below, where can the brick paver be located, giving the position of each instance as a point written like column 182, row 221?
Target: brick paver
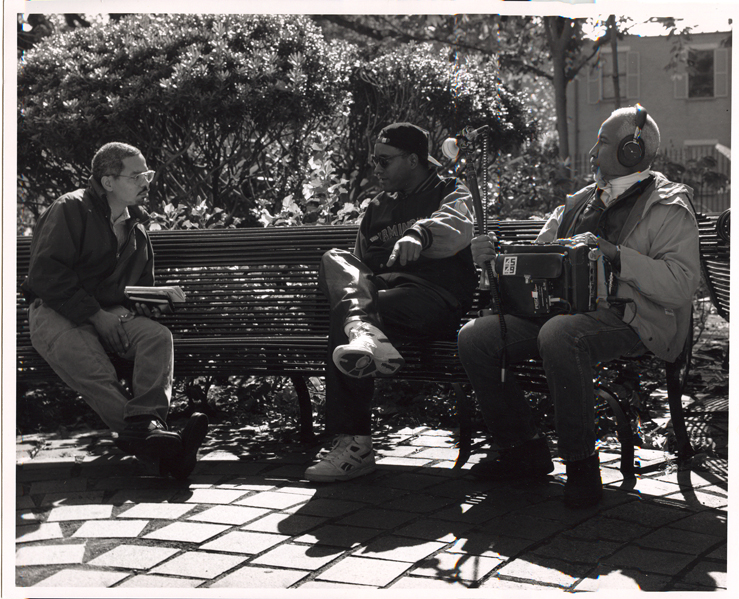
column 366, row 571
column 82, row 578
column 39, row 555
column 199, row 564
column 66, row 513
column 111, row 529
column 251, row 577
column 302, row 557
column 415, row 524
column 455, row 566
column 246, row 542
column 187, row 532
column 134, row 557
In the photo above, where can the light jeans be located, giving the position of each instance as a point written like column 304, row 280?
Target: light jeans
column 569, row 345
column 78, row 357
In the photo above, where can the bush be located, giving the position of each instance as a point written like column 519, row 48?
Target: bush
column 218, row 104
column 247, row 119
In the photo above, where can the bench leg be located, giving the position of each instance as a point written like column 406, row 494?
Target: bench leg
column 623, row 430
column 464, row 411
column 674, row 399
column 306, row 409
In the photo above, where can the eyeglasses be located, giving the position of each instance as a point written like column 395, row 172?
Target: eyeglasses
column 384, row 161
column 147, row 176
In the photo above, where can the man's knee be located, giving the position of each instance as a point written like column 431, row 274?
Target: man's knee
column 556, row 335
column 479, row 336
column 154, row 334
column 162, row 335
column 333, row 257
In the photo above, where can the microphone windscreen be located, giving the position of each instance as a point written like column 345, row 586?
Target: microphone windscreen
column 449, row 148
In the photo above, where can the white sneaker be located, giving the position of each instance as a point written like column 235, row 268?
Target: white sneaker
column 350, row 456
column 368, row 353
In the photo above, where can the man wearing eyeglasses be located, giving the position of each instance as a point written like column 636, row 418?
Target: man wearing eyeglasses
column 410, row 277
column 87, row 247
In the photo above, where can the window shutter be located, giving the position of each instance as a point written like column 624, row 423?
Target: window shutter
column 721, row 73
column 632, row 75
column 680, row 81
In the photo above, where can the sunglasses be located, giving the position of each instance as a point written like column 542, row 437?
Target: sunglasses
column 384, row 161
column 140, row 178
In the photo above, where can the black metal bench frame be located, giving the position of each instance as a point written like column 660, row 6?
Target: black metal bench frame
column 254, row 308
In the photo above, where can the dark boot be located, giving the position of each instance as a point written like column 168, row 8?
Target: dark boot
column 529, row 460
column 148, row 438
column 584, row 487
column 193, row 434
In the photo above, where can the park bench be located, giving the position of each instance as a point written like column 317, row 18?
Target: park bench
column 253, row 308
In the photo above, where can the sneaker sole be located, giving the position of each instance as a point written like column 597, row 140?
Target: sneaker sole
column 331, row 478
column 355, row 364
column 360, row 365
column 391, row 366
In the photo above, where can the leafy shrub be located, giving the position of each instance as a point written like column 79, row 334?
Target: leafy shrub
column 247, row 119
column 218, row 104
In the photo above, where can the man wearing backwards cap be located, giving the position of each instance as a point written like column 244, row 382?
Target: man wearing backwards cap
column 410, row 277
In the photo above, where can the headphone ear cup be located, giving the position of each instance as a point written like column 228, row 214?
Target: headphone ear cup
column 630, row 151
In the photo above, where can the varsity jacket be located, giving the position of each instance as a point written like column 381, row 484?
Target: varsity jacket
column 439, row 213
column 75, row 267
column 660, row 260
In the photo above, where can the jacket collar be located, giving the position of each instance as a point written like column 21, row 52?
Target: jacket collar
column 428, row 183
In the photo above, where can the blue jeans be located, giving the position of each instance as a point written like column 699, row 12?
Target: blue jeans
column 402, row 307
column 569, row 345
column 77, row 356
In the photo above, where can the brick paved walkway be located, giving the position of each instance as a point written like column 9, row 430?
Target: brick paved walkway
column 86, row 516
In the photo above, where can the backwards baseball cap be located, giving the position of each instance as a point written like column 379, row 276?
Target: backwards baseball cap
column 408, row 137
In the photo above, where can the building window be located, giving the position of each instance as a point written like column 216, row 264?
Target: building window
column 700, row 74
column 601, row 86
column 705, row 74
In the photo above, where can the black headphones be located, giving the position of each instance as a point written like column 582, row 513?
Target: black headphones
column 631, row 148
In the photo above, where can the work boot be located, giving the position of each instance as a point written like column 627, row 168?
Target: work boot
column 193, row 434
column 531, row 459
column 350, row 456
column 583, row 487
column 148, row 438
column 368, row 353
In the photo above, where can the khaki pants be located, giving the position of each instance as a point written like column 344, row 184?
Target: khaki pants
column 78, row 357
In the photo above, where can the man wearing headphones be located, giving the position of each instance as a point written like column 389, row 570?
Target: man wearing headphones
column 645, row 227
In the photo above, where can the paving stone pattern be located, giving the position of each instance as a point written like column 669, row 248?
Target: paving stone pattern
column 87, row 516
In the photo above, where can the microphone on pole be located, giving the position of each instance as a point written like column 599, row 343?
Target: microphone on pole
column 450, row 146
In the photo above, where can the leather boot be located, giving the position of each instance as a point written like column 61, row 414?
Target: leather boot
column 531, row 459
column 584, row 487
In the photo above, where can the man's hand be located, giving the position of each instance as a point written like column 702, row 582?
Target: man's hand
column 151, row 311
column 109, row 325
column 608, row 249
column 407, row 249
column 483, row 248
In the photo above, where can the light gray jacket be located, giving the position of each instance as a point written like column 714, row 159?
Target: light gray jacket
column 660, row 264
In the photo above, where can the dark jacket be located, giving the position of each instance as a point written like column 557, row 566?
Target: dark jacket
column 75, row 267
column 438, row 212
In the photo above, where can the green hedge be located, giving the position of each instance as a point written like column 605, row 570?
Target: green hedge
column 245, row 118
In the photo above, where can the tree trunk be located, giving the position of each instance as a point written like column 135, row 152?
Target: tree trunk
column 559, row 34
